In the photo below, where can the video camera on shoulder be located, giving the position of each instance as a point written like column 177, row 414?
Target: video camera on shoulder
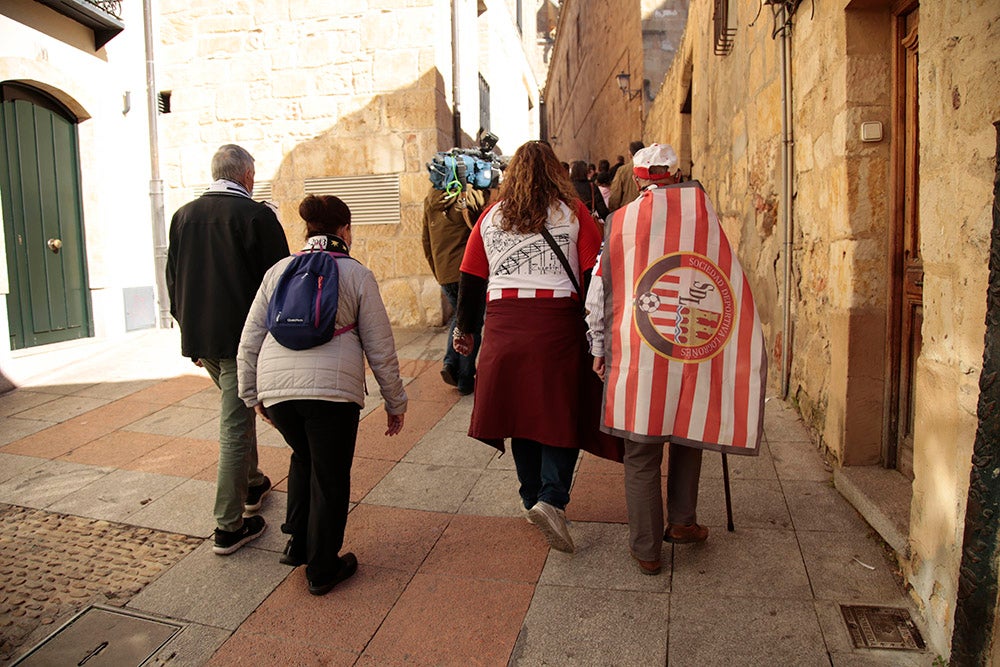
column 479, row 167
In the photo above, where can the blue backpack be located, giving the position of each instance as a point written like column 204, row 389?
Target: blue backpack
column 303, row 309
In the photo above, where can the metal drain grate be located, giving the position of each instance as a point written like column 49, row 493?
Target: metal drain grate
column 881, row 627
column 100, row 636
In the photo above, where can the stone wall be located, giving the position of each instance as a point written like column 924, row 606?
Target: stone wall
column 326, row 89
column 959, row 102
column 588, row 118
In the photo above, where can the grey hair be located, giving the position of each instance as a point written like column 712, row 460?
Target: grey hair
column 231, row 162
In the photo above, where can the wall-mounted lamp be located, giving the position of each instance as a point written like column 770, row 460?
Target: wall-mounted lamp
column 623, row 78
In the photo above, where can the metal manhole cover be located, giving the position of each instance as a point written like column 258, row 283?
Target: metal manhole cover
column 881, row 627
column 103, row 636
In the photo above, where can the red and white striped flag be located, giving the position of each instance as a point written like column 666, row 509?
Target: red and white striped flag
column 684, row 351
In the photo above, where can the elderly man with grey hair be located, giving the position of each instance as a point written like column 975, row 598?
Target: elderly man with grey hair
column 221, row 244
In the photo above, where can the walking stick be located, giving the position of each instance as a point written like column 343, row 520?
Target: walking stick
column 729, row 501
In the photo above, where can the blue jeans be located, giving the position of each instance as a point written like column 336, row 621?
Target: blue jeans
column 462, row 368
column 545, row 473
column 237, row 447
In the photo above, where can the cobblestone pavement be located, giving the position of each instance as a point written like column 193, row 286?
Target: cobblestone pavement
column 53, row 565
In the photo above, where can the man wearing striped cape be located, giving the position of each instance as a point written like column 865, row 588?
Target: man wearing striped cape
column 677, row 340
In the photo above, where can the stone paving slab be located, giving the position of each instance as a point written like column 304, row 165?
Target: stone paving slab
column 192, row 647
column 602, row 561
column 495, row 494
column 220, row 591
column 48, row 482
column 838, row 566
column 14, row 465
column 52, row 565
column 424, row 487
column 587, row 626
column 116, row 496
column 818, row 506
column 754, row 631
column 185, row 509
column 62, row 408
column 14, row 428
column 15, row 402
column 750, row 562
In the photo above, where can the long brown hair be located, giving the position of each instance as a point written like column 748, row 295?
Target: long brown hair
column 533, row 181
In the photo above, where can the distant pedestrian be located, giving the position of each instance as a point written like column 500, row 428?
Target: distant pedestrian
column 603, row 183
column 676, row 339
column 623, row 187
column 619, row 163
column 220, row 246
column 530, row 252
column 448, row 221
column 314, row 396
column 587, row 191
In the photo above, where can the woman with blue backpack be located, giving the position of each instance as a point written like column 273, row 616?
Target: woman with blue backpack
column 316, row 317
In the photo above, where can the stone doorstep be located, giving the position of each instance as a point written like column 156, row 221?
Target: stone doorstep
column 882, row 497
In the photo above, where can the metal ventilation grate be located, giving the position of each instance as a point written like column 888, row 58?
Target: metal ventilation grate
column 262, row 191
column 373, row 200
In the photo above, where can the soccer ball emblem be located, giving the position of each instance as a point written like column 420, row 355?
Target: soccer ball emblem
column 648, row 302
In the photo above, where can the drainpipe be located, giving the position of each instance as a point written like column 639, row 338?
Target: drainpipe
column 155, row 182
column 456, row 114
column 787, row 172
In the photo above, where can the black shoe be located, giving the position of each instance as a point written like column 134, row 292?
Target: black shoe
column 226, row 541
column 292, row 555
column 448, row 375
column 348, row 566
column 465, row 391
column 256, row 495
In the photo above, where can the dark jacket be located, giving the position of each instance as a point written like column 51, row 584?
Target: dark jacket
column 220, row 247
column 591, row 198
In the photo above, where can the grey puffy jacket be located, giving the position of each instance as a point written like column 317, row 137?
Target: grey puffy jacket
column 270, row 373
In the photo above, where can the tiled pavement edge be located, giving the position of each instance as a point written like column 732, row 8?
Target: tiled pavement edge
column 450, row 573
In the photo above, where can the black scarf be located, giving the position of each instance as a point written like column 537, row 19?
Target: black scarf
column 327, row 242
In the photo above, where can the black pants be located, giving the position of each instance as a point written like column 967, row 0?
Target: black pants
column 322, row 435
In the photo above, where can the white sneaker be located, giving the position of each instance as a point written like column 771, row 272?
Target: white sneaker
column 552, row 522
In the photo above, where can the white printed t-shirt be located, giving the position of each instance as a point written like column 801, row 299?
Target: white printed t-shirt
column 523, row 266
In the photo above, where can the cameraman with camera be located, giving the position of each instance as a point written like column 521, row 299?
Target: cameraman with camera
column 451, row 208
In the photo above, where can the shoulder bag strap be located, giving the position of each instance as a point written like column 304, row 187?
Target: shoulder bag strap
column 562, row 259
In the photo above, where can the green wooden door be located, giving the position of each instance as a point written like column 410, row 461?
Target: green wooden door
column 43, row 225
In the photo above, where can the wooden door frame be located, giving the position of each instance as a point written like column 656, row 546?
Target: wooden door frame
column 897, row 172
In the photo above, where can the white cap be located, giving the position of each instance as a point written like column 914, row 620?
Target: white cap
column 654, row 155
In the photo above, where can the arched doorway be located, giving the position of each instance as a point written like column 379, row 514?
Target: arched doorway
column 49, row 299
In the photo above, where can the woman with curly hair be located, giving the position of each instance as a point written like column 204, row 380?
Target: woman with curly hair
column 533, row 384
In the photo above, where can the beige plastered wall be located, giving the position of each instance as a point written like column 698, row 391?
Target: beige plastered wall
column 959, row 102
column 52, row 53
column 324, row 89
column 841, row 78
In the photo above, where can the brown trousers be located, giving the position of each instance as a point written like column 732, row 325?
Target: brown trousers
column 644, row 493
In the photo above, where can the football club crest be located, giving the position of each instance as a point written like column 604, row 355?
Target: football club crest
column 684, row 307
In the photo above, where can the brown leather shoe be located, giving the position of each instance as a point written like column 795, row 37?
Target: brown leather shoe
column 650, row 567
column 681, row 534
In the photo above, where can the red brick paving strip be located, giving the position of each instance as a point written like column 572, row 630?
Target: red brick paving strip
column 52, row 565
